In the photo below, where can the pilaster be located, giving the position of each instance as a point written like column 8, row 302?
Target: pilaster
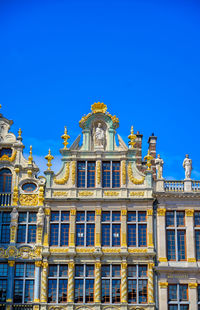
column 98, row 228
column 190, row 238
column 47, row 233
column 150, row 283
column 150, row 228
column 38, row 265
column 124, row 282
column 161, row 234
column 70, row 295
column 97, row 285
column 123, row 228
column 10, row 283
column 98, row 174
column 72, row 228
column 44, row 281
column 193, row 296
column 163, row 295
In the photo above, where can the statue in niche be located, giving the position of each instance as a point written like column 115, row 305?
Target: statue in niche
column 40, row 217
column 159, row 167
column 187, row 165
column 99, row 136
column 14, row 216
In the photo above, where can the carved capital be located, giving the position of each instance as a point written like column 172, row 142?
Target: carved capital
column 163, row 284
column 161, row 211
column 11, row 263
column 193, row 285
column 98, row 211
column 38, row 263
column 47, row 211
column 150, row 212
column 73, row 212
column 123, row 212
column 189, row 212
column 71, row 265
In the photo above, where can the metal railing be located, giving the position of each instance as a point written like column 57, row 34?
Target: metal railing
column 5, row 199
column 174, row 186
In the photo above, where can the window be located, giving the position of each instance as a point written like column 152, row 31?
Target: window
column 5, row 227
column 86, row 174
column 84, row 284
column 6, row 151
column 137, row 229
column 111, row 283
column 197, row 233
column 59, row 228
column 29, row 187
column 178, row 297
column 198, row 297
column 26, row 232
column 137, row 284
column 3, row 281
column 85, row 228
column 5, row 180
column 111, row 174
column 111, row 227
column 176, row 235
column 24, row 282
column 57, row 284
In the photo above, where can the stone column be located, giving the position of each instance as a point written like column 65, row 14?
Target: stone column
column 70, row 295
column 38, row 264
column 190, row 237
column 163, row 295
column 97, row 285
column 10, row 283
column 72, row 228
column 161, row 233
column 150, row 228
column 123, row 173
column 44, row 282
column 123, row 282
column 150, row 283
column 193, row 296
column 123, row 228
column 13, row 231
column 47, row 212
column 98, row 174
column 98, row 228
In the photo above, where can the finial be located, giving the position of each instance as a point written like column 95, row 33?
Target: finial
column 132, row 138
column 19, row 133
column 49, row 158
column 0, row 106
column 149, row 158
column 30, row 158
column 65, row 137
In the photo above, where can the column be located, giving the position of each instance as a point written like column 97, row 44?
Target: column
column 163, row 295
column 38, row 264
column 193, row 296
column 98, row 228
column 150, row 228
column 70, row 295
column 150, row 283
column 44, row 281
column 161, row 234
column 10, row 284
column 123, row 228
column 124, row 282
column 97, row 284
column 190, row 238
column 47, row 212
column 123, row 174
column 72, row 227
column 98, row 174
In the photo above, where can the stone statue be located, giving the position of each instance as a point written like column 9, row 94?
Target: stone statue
column 99, row 136
column 159, row 167
column 14, row 216
column 187, row 165
column 40, row 217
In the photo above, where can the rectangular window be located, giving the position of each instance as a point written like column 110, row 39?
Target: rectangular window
column 137, row 229
column 178, row 297
column 85, row 228
column 3, row 281
column 59, row 228
column 57, row 283
column 86, row 174
column 111, row 228
column 24, row 282
column 176, row 235
column 197, row 233
column 84, row 284
column 111, row 283
column 26, row 232
column 137, row 284
column 110, row 174
column 5, row 227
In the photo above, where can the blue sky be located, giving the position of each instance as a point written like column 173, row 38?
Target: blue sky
column 141, row 58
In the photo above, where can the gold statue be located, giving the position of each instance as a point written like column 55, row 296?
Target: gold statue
column 49, row 158
column 65, row 137
column 132, row 138
column 149, row 158
column 30, row 158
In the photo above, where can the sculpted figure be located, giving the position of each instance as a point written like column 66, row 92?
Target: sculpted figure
column 159, row 167
column 40, row 217
column 14, row 215
column 187, row 165
column 99, row 135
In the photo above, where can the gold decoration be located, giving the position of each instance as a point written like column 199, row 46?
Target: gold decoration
column 38, row 263
column 41, row 196
column 7, row 158
column 47, row 211
column 11, row 263
column 189, row 212
column 71, row 265
column 30, row 158
column 150, row 240
column 66, row 176
column 110, row 250
column 65, row 137
column 11, row 251
column 123, row 172
column 13, row 230
column 97, row 240
column 2, row 252
column 15, row 196
column 132, row 138
column 150, row 283
column 98, row 172
column 17, row 170
column 39, row 234
column 163, row 259
column 60, row 194
column 139, row 194
column 161, row 212
column 150, row 212
column 85, row 250
column 29, row 172
column 72, row 212
column 97, row 265
column 28, row 199
column 85, row 193
column 49, row 158
column 19, row 133
column 137, row 250
column 191, row 260
column 98, row 211
column 73, row 172
column 124, row 244
column 72, row 239
column 109, row 193
column 149, row 158
column 124, row 265
column 193, row 285
column 163, row 284
column 132, row 178
column 123, row 212
column 46, row 240
column 99, row 107
column 59, row 250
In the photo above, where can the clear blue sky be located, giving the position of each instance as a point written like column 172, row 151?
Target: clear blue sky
column 141, row 58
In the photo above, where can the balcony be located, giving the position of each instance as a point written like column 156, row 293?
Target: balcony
column 185, row 186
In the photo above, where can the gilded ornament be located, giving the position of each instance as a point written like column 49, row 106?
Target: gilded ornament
column 85, row 250
column 193, row 285
column 137, row 250
column 163, row 284
column 39, row 234
column 38, row 263
column 132, row 178
column 41, row 196
column 132, row 138
column 63, row 180
column 60, row 194
column 73, row 172
column 29, row 172
column 15, row 196
column 150, row 266
column 25, row 252
column 28, row 199
column 19, row 133
column 191, row 260
column 37, row 252
column 2, row 252
column 12, row 233
column 161, row 212
column 111, row 250
column 109, row 193
column 98, row 172
column 97, row 240
column 71, row 239
column 65, row 137
column 162, row 259
column 49, row 158
column 98, row 211
column 139, row 194
column 123, row 212
column 99, row 107
column 97, row 265
column 30, row 158
column 150, row 212
column 59, row 250
column 124, row 265
column 11, row 263
column 124, row 244
column 17, row 170
column 123, row 172
column 150, row 240
column 71, row 265
column 7, row 158
column 72, row 211
column 85, row 193
column 45, row 264
column 11, row 251
column 149, row 158
column 46, row 240
column 189, row 212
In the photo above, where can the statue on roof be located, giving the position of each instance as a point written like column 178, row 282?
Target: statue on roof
column 159, row 167
column 187, row 165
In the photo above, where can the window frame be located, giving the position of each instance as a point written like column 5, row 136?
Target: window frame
column 27, row 224
column 111, row 223
column 3, row 224
column 111, row 173
column 24, row 279
column 197, row 230
column 85, row 223
column 137, row 224
column 86, row 162
column 59, row 222
column 137, row 278
column 57, row 277
column 5, row 279
column 111, row 278
column 178, row 302
column 84, row 278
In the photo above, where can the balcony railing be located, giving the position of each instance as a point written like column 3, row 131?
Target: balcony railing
column 5, row 199
column 174, row 186
column 196, row 186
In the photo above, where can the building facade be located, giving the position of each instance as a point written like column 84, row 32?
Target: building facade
column 105, row 232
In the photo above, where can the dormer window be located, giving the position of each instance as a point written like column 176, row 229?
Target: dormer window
column 5, row 180
column 29, row 187
column 6, row 151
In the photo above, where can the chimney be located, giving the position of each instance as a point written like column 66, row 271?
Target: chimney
column 152, row 150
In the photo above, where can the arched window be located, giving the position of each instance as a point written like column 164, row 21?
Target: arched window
column 5, row 180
